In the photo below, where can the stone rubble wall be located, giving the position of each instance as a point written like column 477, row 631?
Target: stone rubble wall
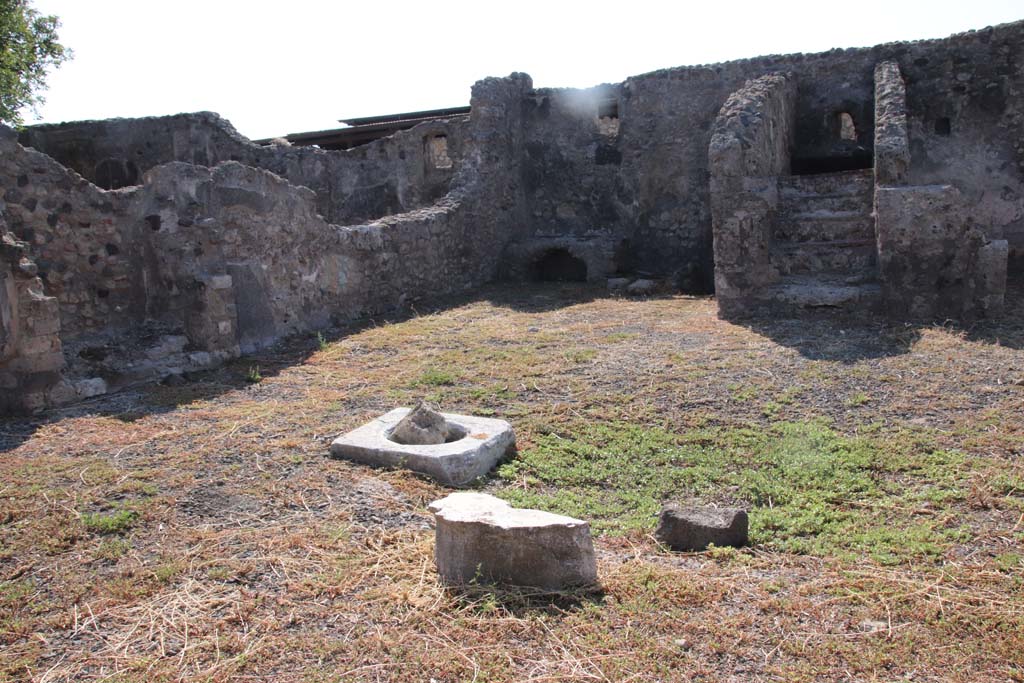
column 936, row 260
column 892, row 143
column 197, row 263
column 572, row 178
column 31, row 355
column 651, row 188
column 935, row 263
column 383, row 177
column 750, row 147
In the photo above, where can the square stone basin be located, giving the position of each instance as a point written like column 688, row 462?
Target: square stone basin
column 478, row 444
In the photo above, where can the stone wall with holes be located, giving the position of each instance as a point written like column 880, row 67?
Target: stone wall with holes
column 388, row 176
column 965, row 96
column 196, row 264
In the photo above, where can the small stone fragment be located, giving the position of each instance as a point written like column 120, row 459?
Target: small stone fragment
column 94, row 386
column 642, row 287
column 423, row 426
column 617, row 284
column 695, row 528
column 480, row 538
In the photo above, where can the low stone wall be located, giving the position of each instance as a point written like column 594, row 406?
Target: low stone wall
column 934, row 262
column 750, row 145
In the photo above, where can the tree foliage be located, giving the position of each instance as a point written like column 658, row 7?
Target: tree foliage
column 29, row 46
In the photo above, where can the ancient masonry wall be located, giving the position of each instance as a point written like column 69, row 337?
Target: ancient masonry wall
column 750, row 148
column 197, row 264
column 648, row 183
column 384, row 177
column 935, row 259
column 213, row 246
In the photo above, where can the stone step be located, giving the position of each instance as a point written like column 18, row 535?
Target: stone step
column 842, row 183
column 838, row 256
column 824, row 226
column 795, row 202
column 801, row 292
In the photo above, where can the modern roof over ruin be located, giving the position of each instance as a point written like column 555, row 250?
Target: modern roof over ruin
column 360, row 131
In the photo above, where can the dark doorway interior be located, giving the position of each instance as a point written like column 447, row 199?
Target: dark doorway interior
column 558, row 265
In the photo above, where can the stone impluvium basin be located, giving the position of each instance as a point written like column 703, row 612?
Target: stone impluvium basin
column 453, row 449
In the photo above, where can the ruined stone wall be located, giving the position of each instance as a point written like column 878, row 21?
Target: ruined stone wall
column 31, row 354
column 80, row 237
column 933, row 259
column 572, row 180
column 660, row 192
column 197, row 263
column 937, row 258
column 965, row 115
column 750, row 148
column 380, row 178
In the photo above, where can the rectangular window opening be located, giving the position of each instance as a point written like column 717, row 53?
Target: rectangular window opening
column 608, row 117
column 437, row 152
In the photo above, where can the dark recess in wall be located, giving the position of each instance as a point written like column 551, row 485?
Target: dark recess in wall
column 558, row 265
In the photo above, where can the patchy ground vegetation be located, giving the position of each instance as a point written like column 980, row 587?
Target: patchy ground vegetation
column 200, row 532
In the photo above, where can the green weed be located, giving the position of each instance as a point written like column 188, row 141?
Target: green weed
column 115, row 523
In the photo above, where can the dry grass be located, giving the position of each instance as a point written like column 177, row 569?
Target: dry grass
column 201, row 533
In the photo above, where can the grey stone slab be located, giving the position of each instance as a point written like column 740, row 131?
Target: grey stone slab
column 479, row 443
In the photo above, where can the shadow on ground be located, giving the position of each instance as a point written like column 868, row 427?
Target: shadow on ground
column 133, row 403
column 822, row 336
column 524, row 602
column 825, row 335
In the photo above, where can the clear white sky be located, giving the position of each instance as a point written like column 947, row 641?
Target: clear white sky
column 281, row 67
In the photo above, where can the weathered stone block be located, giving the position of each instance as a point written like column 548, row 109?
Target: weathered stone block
column 482, row 538
column 695, row 528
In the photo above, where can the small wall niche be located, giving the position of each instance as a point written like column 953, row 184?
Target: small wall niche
column 435, row 149
column 943, row 126
column 608, row 117
column 847, row 129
